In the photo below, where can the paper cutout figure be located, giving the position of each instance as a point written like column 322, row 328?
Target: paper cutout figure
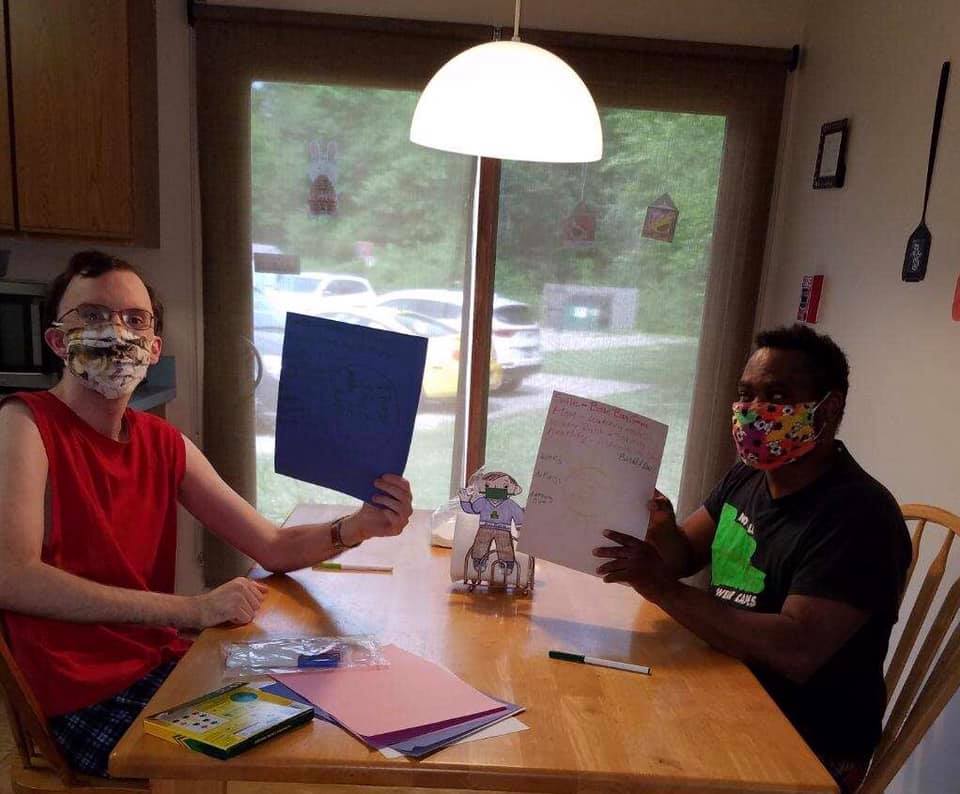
column 489, row 497
column 580, row 229
column 322, row 174
column 661, row 221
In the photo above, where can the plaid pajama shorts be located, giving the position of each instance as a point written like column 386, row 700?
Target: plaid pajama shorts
column 848, row 772
column 88, row 736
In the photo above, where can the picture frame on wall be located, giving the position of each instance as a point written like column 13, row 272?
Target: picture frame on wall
column 831, row 155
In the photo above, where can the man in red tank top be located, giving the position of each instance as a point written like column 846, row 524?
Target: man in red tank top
column 88, row 527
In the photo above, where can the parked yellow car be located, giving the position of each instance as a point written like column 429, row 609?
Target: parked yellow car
column 441, row 375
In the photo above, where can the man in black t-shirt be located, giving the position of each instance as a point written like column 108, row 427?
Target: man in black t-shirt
column 808, row 553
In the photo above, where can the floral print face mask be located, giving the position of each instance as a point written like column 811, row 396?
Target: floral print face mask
column 106, row 359
column 770, row 435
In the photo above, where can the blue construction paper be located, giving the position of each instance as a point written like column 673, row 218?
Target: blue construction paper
column 347, row 403
column 286, row 692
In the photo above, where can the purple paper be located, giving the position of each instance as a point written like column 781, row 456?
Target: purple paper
column 437, row 740
column 382, row 740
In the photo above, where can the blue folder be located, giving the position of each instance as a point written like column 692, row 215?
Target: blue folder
column 347, row 403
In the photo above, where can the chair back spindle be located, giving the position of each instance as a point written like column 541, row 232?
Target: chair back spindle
column 934, row 676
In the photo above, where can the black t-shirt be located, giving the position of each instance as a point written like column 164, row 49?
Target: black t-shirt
column 842, row 537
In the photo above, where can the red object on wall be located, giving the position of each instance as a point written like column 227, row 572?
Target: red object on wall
column 810, row 289
column 956, row 301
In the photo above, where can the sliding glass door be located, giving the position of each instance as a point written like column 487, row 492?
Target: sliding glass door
column 601, row 273
column 601, row 268
column 313, row 199
column 352, row 222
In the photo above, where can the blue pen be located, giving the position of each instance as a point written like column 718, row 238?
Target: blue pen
column 319, row 660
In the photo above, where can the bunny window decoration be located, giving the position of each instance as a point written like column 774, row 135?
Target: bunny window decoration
column 322, row 173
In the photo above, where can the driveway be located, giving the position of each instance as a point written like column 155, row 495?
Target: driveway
column 552, row 340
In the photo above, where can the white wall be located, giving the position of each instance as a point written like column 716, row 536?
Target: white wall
column 171, row 268
column 877, row 62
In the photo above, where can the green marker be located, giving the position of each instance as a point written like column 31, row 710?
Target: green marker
column 576, row 657
column 346, row 566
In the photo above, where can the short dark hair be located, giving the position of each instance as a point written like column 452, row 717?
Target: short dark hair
column 93, row 264
column 827, row 362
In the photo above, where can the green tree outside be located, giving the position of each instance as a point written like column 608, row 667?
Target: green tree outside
column 413, row 203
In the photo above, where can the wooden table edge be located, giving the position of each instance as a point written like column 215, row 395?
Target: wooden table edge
column 408, row 775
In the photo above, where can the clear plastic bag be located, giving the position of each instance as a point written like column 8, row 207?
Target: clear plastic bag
column 300, row 654
column 444, row 519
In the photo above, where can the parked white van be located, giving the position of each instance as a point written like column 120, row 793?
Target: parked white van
column 319, row 293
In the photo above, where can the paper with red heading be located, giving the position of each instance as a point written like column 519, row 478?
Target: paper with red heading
column 596, row 469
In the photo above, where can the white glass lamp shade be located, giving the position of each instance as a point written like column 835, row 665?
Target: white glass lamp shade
column 510, row 100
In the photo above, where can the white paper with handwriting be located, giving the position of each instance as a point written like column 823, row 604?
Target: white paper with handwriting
column 596, row 469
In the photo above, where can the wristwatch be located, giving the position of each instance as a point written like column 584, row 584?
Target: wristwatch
column 336, row 539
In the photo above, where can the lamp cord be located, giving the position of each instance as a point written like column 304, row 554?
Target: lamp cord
column 516, row 22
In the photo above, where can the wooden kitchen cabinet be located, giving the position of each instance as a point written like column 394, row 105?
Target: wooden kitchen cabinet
column 7, row 218
column 83, row 81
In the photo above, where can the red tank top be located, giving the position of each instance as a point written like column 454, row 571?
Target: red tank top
column 113, row 520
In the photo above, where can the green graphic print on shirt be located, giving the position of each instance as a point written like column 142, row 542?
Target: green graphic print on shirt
column 734, row 578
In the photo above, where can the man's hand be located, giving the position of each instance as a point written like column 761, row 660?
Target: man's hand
column 684, row 550
column 235, row 602
column 385, row 515
column 635, row 562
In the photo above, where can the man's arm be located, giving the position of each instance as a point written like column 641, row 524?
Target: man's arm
column 795, row 642
column 222, row 510
column 30, row 586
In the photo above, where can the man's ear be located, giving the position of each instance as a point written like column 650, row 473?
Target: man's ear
column 54, row 339
column 156, row 345
column 831, row 410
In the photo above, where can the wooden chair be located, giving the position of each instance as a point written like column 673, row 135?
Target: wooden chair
column 922, row 697
column 42, row 767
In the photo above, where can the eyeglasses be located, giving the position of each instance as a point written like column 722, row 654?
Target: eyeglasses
column 95, row 314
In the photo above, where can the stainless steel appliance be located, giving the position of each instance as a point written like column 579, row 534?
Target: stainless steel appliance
column 25, row 360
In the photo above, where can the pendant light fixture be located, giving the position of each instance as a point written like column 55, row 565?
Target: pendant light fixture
column 510, row 100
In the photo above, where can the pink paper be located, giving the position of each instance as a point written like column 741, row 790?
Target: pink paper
column 410, row 692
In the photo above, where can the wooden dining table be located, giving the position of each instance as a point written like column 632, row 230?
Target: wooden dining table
column 699, row 723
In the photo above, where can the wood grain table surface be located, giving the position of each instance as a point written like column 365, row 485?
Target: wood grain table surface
column 700, row 722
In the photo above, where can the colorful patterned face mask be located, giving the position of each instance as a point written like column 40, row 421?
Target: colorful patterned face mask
column 770, row 435
column 108, row 360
